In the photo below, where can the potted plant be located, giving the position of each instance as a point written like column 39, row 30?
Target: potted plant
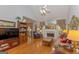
column 74, row 23
column 18, row 18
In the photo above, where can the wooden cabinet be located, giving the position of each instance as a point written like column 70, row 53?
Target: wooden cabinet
column 8, row 43
column 8, row 38
column 23, row 38
column 22, row 32
column 25, row 29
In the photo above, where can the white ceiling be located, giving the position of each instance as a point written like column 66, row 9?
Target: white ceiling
column 56, row 12
column 33, row 11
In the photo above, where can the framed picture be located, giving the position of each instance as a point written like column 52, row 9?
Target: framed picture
column 4, row 23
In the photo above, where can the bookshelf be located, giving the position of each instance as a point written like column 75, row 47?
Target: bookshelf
column 22, row 32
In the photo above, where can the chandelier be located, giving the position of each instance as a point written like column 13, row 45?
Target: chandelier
column 44, row 11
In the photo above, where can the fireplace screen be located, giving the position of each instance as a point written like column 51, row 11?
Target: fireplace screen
column 50, row 34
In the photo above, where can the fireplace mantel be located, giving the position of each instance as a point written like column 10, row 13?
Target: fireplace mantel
column 53, row 31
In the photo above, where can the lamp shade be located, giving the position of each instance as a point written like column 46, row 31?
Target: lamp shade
column 73, row 35
column 65, row 31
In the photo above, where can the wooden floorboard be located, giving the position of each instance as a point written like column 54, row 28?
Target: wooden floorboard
column 35, row 47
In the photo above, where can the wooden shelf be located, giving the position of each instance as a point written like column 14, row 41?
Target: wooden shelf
column 22, row 32
column 23, row 26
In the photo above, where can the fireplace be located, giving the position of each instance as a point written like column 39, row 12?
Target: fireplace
column 50, row 34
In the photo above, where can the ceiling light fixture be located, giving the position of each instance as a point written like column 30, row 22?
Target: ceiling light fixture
column 44, row 10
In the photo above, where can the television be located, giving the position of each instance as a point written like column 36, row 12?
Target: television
column 9, row 33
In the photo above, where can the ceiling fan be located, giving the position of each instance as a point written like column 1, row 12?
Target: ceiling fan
column 44, row 10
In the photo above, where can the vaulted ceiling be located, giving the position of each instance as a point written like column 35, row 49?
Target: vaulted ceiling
column 33, row 11
column 56, row 12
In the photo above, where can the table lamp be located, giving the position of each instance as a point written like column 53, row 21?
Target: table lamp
column 73, row 35
column 65, row 31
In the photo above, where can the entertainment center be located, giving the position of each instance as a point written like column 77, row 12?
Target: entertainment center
column 9, row 35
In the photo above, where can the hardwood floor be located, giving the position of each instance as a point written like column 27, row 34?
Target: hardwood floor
column 35, row 47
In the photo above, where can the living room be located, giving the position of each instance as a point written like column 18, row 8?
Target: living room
column 39, row 29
